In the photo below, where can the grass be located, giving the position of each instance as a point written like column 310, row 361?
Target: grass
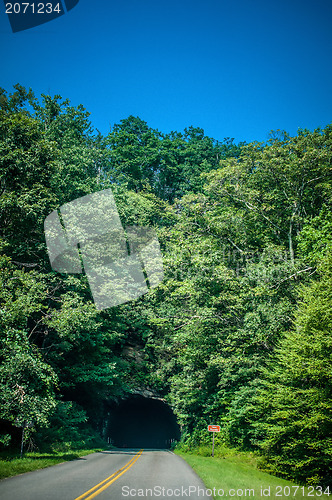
column 237, row 474
column 11, row 465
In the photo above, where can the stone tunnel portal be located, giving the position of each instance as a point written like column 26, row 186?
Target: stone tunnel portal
column 139, row 422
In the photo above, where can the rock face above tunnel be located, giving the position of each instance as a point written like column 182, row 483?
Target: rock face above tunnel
column 142, row 422
column 147, row 393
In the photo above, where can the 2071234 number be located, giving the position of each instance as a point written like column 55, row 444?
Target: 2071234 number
column 34, row 8
column 309, row 491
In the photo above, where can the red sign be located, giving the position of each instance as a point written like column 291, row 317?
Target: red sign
column 214, row 428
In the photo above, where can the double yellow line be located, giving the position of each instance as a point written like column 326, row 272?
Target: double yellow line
column 93, row 492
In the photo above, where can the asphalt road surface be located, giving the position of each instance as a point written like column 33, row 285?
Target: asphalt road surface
column 116, row 475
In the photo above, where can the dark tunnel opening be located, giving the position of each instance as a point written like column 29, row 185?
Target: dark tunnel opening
column 139, row 422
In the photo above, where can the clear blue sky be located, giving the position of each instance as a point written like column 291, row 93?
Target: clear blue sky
column 236, row 68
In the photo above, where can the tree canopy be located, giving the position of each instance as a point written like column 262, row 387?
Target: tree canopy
column 238, row 332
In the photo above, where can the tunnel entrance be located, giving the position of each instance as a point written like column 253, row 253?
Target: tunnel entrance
column 139, row 422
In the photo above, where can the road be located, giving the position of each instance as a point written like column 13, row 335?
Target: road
column 112, row 474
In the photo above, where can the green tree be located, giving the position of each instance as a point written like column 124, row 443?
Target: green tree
column 296, row 398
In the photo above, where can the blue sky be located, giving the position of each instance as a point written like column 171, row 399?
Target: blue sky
column 235, row 68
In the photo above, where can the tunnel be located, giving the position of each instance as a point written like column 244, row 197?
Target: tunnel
column 140, row 422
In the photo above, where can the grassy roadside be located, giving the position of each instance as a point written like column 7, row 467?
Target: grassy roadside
column 11, row 465
column 236, row 475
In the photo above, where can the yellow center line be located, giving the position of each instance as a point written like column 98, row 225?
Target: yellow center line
column 102, row 486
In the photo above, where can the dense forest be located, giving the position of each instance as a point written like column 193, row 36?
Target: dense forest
column 238, row 332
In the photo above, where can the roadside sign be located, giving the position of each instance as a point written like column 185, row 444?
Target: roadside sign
column 214, row 428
